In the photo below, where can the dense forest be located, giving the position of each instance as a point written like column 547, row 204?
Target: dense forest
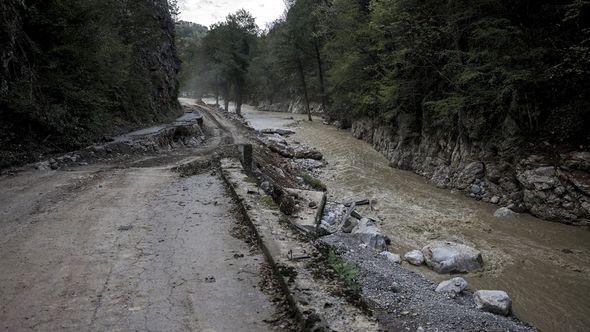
column 75, row 70
column 463, row 66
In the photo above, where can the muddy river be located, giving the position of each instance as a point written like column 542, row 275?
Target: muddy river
column 544, row 266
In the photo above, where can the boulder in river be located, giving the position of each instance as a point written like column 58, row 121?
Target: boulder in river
column 414, row 257
column 455, row 285
column 494, row 301
column 282, row 132
column 504, row 212
column 370, row 234
column 393, row 258
column 446, row 257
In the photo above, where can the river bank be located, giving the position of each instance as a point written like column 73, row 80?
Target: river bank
column 542, row 265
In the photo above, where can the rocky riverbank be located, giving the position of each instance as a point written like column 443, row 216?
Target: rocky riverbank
column 357, row 252
column 552, row 186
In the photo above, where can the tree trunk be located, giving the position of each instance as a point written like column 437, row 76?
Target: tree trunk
column 321, row 75
column 304, row 87
column 216, row 92
column 239, row 101
column 225, row 95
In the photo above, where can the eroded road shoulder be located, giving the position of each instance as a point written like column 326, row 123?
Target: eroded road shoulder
column 133, row 249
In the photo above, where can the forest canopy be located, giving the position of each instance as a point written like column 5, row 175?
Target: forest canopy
column 460, row 66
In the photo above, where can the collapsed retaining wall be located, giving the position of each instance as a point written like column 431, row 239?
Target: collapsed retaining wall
column 550, row 186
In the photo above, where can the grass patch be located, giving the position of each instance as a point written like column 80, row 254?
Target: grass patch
column 313, row 182
column 269, row 202
column 250, row 179
column 345, row 271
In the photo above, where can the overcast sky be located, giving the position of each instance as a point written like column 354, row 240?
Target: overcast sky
column 207, row 12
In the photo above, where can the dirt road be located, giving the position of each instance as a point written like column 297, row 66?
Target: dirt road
column 126, row 246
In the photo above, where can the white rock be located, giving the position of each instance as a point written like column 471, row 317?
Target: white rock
column 446, row 257
column 494, row 301
column 393, row 258
column 370, row 234
column 414, row 257
column 504, row 212
column 455, row 285
column 495, row 200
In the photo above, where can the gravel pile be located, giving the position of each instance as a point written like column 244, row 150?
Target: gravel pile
column 405, row 300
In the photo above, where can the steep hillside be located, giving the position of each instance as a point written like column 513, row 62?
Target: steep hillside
column 74, row 71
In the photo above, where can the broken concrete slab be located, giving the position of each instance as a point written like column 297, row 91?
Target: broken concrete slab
column 287, row 256
column 311, row 204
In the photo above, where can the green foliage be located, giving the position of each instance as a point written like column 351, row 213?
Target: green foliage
column 76, row 70
column 269, row 202
column 462, row 67
column 192, row 78
column 313, row 182
column 346, row 271
column 227, row 54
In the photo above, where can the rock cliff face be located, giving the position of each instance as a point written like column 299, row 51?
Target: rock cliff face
column 73, row 72
column 161, row 63
column 549, row 185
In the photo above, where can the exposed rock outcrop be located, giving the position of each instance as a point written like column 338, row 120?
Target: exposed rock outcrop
column 551, row 186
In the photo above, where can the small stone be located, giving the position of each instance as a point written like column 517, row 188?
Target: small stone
column 495, row 200
column 455, row 285
column 391, row 257
column 494, row 301
column 349, row 225
column 475, row 189
column 420, row 329
column 394, row 287
column 312, row 204
column 414, row 257
column 504, row 212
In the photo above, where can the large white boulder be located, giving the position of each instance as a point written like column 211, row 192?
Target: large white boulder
column 494, row 301
column 446, row 257
column 504, row 212
column 455, row 285
column 370, row 235
column 414, row 257
column 391, row 257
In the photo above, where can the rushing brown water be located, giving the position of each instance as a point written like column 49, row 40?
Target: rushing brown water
column 544, row 266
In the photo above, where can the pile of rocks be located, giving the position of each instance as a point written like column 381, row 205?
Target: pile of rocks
column 279, row 145
column 449, row 257
column 339, row 217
